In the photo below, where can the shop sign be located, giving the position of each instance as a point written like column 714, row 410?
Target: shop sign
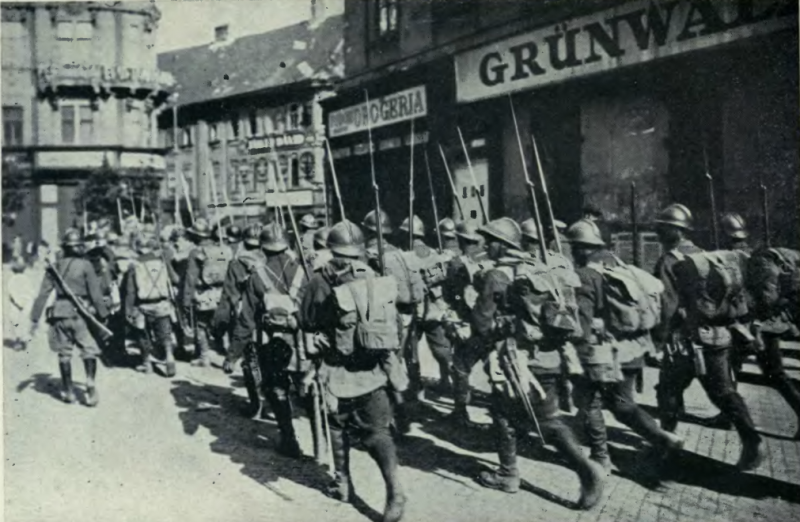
column 138, row 160
column 70, row 159
column 53, row 75
column 628, row 34
column 256, row 145
column 393, row 108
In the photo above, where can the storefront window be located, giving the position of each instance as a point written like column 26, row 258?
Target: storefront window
column 12, row 126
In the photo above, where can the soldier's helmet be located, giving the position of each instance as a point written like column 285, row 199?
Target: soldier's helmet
column 112, row 238
column 309, row 222
column 371, row 223
column 273, row 238
column 504, row 229
column 234, row 233
column 468, row 230
column 585, row 232
column 346, row 239
column 219, row 232
column 560, row 225
column 447, row 228
column 321, row 237
column 676, row 215
column 416, row 222
column 733, row 226
column 529, row 229
column 252, row 235
column 146, row 244
column 200, row 229
column 71, row 239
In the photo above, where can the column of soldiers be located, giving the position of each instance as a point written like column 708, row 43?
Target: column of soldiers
column 325, row 317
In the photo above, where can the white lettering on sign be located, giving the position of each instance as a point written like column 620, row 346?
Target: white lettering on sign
column 256, row 145
column 628, row 34
column 393, row 108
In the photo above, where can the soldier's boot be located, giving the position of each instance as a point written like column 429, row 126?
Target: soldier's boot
column 599, row 454
column 203, row 358
column 67, row 393
column 169, row 362
column 146, row 366
column 719, row 421
column 752, row 455
column 288, row 445
column 590, row 473
column 92, row 397
column 506, row 477
column 381, row 448
column 461, row 396
column 416, row 391
column 341, row 488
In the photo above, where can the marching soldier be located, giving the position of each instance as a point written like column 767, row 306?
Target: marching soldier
column 496, row 323
column 102, row 258
column 322, row 254
column 611, row 358
column 241, row 267
column 772, row 324
column 234, row 237
column 68, row 328
column 202, row 288
column 148, row 304
column 686, row 345
column 447, row 229
column 308, row 225
column 352, row 375
column 269, row 315
column 370, row 226
column 460, row 294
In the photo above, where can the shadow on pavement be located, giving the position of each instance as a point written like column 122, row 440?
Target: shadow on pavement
column 44, row 383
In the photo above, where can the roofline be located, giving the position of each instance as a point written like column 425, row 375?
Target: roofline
column 308, row 83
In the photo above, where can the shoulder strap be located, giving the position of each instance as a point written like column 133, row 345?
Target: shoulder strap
column 153, row 282
column 297, row 282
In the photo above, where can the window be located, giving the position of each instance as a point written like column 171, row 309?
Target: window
column 234, row 125
column 77, row 123
column 387, row 17
column 253, row 123
column 267, row 124
column 212, row 133
column 295, row 170
column 74, row 31
column 12, row 125
column 186, row 137
column 307, row 167
column 295, row 116
column 168, row 138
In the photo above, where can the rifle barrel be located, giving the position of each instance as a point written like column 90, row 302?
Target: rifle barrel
column 375, row 189
column 433, row 200
column 335, row 179
column 634, row 227
column 452, row 184
column 543, row 183
column 472, row 175
column 411, row 192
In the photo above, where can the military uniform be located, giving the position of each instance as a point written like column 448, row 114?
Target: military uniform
column 149, row 307
column 68, row 329
column 502, row 327
column 353, row 379
column 268, row 318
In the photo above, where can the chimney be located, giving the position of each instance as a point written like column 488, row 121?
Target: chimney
column 221, row 33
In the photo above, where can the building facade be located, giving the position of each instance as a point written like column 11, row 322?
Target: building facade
column 81, row 91
column 616, row 93
column 247, row 124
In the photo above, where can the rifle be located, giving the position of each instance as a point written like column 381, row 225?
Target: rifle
column 634, row 226
column 535, row 205
column 178, row 312
column 543, row 181
column 713, row 201
column 472, row 175
column 452, row 185
column 335, row 179
column 411, row 193
column 765, row 212
column 376, row 190
column 433, row 201
column 509, row 355
column 106, row 334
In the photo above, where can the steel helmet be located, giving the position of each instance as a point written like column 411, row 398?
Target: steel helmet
column 99, row 238
column 252, row 235
column 447, row 228
column 529, row 229
column 200, row 229
column 505, row 229
column 273, row 238
column 321, row 237
column 585, row 232
column 346, row 239
column 309, row 222
column 468, row 230
column 72, row 238
column 560, row 225
column 733, row 226
column 113, row 238
column 419, row 226
column 370, row 223
column 676, row 215
column 234, row 233
column 146, row 244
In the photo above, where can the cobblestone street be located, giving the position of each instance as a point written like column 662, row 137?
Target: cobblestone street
column 181, row 445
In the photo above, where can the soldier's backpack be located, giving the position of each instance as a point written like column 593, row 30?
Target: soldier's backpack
column 714, row 284
column 152, row 280
column 214, row 264
column 280, row 300
column 546, row 295
column 406, row 268
column 632, row 297
column 367, row 313
column 773, row 281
